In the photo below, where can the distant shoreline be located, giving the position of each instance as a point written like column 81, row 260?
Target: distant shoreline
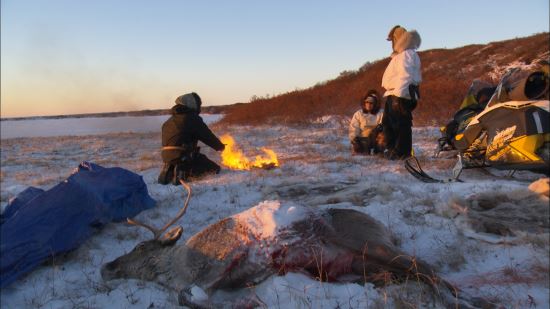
column 88, row 126
column 157, row 112
column 147, row 112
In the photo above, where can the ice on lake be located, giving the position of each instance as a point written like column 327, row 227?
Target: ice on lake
column 86, row 126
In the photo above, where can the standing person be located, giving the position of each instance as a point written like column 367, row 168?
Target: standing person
column 401, row 80
column 180, row 135
column 365, row 125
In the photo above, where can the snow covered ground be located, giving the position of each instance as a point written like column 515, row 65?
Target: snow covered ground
column 456, row 227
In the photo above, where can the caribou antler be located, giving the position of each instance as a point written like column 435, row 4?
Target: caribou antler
column 156, row 232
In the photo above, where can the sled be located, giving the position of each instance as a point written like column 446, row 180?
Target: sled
column 511, row 133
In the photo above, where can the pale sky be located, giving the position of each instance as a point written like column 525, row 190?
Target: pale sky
column 78, row 56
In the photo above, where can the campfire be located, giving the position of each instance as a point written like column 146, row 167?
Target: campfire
column 234, row 158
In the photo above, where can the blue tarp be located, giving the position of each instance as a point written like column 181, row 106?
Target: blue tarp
column 38, row 224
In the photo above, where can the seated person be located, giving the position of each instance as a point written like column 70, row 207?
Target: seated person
column 365, row 126
column 180, row 135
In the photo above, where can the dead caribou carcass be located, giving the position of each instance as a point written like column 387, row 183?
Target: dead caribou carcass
column 270, row 238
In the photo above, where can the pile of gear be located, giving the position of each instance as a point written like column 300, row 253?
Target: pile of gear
column 506, row 127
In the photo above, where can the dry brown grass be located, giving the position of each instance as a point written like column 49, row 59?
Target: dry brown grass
column 447, row 73
column 538, row 273
column 43, row 162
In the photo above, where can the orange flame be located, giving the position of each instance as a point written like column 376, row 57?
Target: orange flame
column 234, row 158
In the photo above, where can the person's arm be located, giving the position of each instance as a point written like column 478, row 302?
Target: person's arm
column 354, row 127
column 206, row 136
column 379, row 117
column 408, row 66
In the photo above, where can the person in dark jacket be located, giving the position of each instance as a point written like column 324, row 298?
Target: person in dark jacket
column 180, row 135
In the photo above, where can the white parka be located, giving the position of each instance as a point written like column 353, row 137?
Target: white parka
column 361, row 123
column 404, row 67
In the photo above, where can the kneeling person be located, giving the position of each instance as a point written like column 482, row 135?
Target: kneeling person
column 180, row 135
column 365, row 126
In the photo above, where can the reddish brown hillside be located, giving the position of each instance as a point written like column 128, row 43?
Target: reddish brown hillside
column 447, row 73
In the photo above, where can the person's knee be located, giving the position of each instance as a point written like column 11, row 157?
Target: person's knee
column 166, row 174
column 172, row 173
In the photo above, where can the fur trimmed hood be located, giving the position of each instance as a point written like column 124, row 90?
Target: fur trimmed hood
column 406, row 40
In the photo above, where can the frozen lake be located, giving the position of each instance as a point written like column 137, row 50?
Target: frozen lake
column 86, row 126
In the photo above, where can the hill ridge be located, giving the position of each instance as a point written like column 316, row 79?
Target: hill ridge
column 446, row 74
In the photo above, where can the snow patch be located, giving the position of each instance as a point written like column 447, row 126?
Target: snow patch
column 268, row 218
column 198, row 295
column 541, row 186
column 331, row 121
